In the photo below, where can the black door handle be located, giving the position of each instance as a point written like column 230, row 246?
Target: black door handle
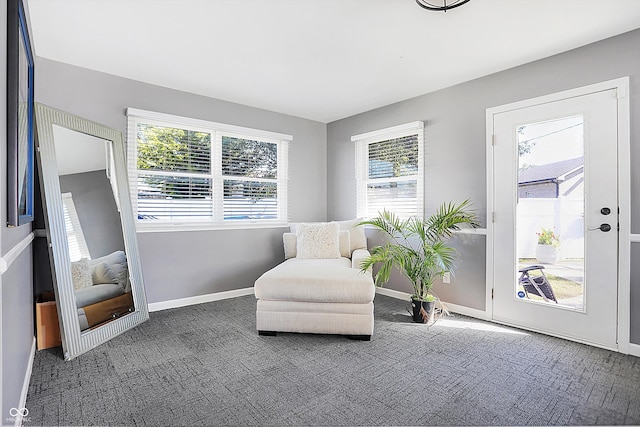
column 605, row 227
column 605, row 211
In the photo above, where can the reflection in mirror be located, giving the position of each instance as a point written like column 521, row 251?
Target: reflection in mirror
column 92, row 222
column 94, row 255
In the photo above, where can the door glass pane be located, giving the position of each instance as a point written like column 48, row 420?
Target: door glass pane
column 550, row 213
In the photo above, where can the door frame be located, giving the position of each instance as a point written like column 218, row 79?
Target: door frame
column 621, row 85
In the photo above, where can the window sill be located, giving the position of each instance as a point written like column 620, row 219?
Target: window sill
column 173, row 227
column 477, row 231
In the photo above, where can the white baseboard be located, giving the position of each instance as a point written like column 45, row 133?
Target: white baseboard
column 394, row 294
column 22, row 405
column 468, row 311
column 460, row 309
column 634, row 349
column 199, row 299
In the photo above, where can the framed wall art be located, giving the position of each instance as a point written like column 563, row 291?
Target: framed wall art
column 20, row 117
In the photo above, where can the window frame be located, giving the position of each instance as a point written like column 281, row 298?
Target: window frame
column 362, row 143
column 217, row 131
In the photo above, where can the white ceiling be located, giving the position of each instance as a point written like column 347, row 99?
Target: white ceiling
column 318, row 59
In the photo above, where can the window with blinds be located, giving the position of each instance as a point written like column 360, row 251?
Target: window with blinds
column 78, row 248
column 191, row 172
column 250, row 178
column 173, row 173
column 389, row 171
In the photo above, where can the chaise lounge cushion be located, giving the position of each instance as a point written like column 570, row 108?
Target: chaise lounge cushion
column 310, row 280
column 96, row 293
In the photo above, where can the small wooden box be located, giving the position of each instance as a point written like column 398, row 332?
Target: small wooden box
column 47, row 328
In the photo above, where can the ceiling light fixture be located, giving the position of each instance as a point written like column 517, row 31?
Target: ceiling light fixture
column 440, row 5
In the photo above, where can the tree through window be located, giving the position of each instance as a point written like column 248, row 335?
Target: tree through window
column 389, row 171
column 181, row 173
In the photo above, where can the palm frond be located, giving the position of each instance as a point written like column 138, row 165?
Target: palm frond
column 388, row 256
column 417, row 227
column 448, row 219
column 388, row 222
column 417, row 247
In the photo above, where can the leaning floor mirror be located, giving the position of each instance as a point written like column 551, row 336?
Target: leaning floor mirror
column 93, row 250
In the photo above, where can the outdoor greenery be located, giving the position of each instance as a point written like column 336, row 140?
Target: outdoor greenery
column 251, row 159
column 400, row 153
column 563, row 288
column 548, row 237
column 176, row 150
column 524, row 147
column 418, row 248
column 247, row 158
column 173, row 150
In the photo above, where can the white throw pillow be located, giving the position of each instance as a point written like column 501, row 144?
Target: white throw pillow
column 344, row 243
column 319, row 240
column 356, row 233
column 290, row 245
column 293, row 226
column 290, row 241
column 81, row 274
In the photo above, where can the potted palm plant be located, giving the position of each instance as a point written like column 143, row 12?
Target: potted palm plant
column 418, row 248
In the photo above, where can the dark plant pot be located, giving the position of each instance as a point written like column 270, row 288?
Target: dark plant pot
column 428, row 308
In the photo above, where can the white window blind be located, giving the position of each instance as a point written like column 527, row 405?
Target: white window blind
column 173, row 173
column 389, row 171
column 250, row 178
column 78, row 248
column 191, row 172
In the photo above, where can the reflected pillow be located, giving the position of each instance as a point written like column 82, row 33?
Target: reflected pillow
column 81, row 274
column 117, row 262
column 319, row 240
column 102, row 273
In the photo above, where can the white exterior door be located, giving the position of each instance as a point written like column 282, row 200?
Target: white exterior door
column 555, row 190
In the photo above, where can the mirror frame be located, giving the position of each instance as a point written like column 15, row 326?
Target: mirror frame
column 74, row 341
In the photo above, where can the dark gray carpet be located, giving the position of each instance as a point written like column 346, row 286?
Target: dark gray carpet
column 206, row 365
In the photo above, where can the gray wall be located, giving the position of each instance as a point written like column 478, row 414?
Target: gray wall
column 16, row 284
column 17, row 328
column 97, row 211
column 455, row 146
column 184, row 264
column 322, row 185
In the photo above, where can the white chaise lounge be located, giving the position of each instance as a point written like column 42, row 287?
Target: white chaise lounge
column 319, row 288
